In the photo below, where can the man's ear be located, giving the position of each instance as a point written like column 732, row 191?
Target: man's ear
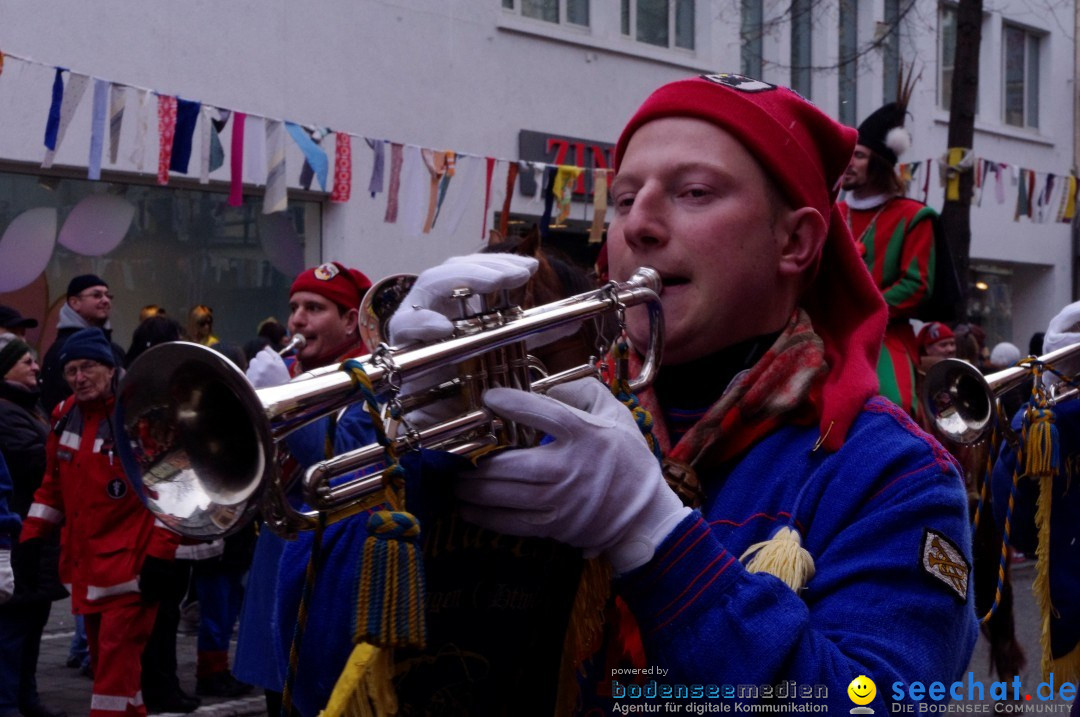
column 352, row 316
column 801, row 233
column 71, row 301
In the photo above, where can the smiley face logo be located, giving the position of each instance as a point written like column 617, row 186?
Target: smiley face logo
column 862, row 690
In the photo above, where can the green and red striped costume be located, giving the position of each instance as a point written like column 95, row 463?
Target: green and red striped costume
column 897, row 243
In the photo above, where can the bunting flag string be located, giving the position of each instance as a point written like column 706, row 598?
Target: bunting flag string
column 1041, row 197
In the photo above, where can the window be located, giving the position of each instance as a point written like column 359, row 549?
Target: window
column 664, row 23
column 571, row 12
column 172, row 247
column 1021, row 92
column 750, row 34
column 946, row 53
column 849, row 38
column 890, row 58
column 801, row 60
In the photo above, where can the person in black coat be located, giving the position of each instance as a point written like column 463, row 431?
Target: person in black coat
column 23, row 430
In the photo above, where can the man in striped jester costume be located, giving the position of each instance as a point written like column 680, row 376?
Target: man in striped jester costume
column 895, row 236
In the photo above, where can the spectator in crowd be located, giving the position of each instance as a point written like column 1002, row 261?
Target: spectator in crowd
column 1035, row 344
column 153, row 330
column 88, row 304
column 1003, row 355
column 150, row 310
column 275, row 334
column 12, row 322
column 937, row 340
column 23, row 431
column 200, row 328
column 113, row 555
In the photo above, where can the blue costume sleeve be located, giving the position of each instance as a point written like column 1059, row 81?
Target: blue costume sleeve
column 876, row 606
column 328, row 636
column 9, row 520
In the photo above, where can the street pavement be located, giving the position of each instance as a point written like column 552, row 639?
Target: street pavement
column 64, row 688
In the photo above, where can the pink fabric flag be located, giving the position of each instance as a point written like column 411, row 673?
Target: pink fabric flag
column 342, row 168
column 166, row 112
column 236, row 160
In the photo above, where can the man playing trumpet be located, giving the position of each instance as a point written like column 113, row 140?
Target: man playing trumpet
column 800, row 527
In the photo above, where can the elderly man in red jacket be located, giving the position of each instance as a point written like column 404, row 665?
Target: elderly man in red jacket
column 113, row 554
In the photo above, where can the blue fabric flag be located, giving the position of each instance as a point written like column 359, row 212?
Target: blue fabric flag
column 187, row 112
column 314, row 155
column 52, row 126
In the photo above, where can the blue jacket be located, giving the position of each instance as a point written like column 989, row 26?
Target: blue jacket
column 276, row 579
column 873, row 515
column 9, row 519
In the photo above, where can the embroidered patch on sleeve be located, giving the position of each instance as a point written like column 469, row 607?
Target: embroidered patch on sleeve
column 943, row 561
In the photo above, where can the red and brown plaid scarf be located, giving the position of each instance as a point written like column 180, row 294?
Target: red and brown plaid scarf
column 784, row 386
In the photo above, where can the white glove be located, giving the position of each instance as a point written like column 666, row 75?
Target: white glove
column 424, row 314
column 597, row 486
column 7, row 577
column 267, row 369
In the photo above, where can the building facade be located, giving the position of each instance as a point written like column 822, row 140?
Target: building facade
column 495, row 82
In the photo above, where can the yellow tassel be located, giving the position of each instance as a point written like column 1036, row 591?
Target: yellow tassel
column 781, row 555
column 1041, row 447
column 364, row 688
column 1041, row 584
column 584, row 631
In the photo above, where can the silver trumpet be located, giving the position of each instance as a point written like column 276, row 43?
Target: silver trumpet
column 201, row 445
column 961, row 402
column 296, row 343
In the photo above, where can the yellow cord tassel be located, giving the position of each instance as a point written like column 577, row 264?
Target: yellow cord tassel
column 1042, row 444
column 781, row 555
column 364, row 688
column 584, row 631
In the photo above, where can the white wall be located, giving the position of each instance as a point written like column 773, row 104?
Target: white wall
column 466, row 75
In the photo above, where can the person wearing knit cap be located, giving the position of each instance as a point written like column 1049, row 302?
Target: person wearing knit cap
column 1045, row 510
column 12, row 322
column 895, row 236
column 324, row 305
column 88, row 304
column 937, row 339
column 799, row 527
column 114, row 554
column 24, row 429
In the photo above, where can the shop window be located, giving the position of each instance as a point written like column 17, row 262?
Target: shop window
column 1021, row 76
column 572, row 12
column 176, row 248
column 990, row 301
column 664, row 23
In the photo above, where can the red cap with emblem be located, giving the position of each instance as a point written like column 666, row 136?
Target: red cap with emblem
column 805, row 152
column 333, row 281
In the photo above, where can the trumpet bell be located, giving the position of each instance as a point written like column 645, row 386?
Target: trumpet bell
column 958, row 401
column 192, row 439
